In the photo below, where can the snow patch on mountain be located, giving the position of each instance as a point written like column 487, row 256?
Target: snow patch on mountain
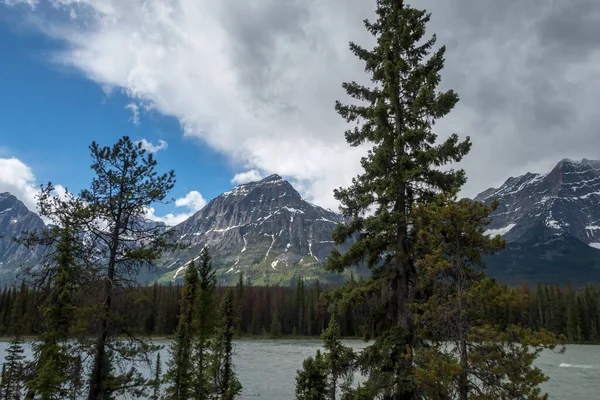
column 500, row 231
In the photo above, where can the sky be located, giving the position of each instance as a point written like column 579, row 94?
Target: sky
column 225, row 92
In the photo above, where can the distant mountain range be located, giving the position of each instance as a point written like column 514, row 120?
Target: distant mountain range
column 266, row 230
column 551, row 222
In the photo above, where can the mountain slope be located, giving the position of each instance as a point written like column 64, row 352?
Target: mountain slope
column 265, row 229
column 15, row 219
column 551, row 223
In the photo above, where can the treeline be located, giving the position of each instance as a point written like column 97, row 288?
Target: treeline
column 273, row 311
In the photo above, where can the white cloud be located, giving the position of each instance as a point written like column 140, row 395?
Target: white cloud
column 193, row 200
column 255, row 89
column 151, row 148
column 30, row 3
column 18, row 179
column 245, row 177
column 168, row 219
column 259, row 84
column 135, row 113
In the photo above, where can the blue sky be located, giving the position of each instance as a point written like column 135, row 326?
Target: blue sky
column 52, row 113
column 240, row 90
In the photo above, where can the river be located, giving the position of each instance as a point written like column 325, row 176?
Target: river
column 267, row 368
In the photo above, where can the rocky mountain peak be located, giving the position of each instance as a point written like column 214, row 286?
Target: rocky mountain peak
column 261, row 228
column 550, row 216
column 15, row 219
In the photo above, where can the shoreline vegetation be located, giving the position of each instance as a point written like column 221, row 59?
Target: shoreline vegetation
column 438, row 327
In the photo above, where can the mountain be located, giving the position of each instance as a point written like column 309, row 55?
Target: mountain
column 265, row 229
column 15, row 219
column 551, row 223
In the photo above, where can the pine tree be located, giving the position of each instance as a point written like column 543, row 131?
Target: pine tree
column 311, row 380
column 205, row 321
column 300, row 306
column 467, row 356
column 13, row 370
column 156, row 382
column 124, row 186
column 224, row 380
column 180, row 374
column 275, row 324
column 401, row 169
column 339, row 361
column 239, row 303
column 53, row 361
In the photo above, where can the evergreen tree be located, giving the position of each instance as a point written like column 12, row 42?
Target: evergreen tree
column 225, row 382
column 124, row 186
column 311, row 380
column 205, row 321
column 339, row 361
column 482, row 359
column 156, row 382
column 53, row 361
column 275, row 324
column 300, row 306
column 239, row 303
column 13, row 370
column 400, row 170
column 180, row 374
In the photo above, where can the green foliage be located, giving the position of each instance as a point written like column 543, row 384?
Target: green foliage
column 311, row 380
column 395, row 117
column 124, row 186
column 225, row 382
column 205, row 321
column 54, row 374
column 180, row 373
column 158, row 379
column 339, row 361
column 275, row 325
column 13, row 370
column 467, row 357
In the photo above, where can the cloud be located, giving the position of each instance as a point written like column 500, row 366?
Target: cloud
column 30, row 3
column 247, row 176
column 151, row 148
column 135, row 111
column 18, row 179
column 259, row 84
column 193, row 201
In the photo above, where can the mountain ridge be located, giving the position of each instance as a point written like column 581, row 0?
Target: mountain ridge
column 265, row 229
column 551, row 223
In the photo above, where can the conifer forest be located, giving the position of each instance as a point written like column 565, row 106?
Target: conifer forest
column 436, row 326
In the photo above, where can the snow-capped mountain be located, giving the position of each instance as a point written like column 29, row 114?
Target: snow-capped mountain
column 551, row 222
column 264, row 228
column 15, row 219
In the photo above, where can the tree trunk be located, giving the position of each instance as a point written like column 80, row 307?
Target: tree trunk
column 463, row 382
column 98, row 378
column 98, row 390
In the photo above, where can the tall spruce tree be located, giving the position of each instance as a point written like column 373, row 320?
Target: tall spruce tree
column 180, row 374
column 224, row 379
column 205, row 322
column 395, row 117
column 53, row 372
column 13, row 370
